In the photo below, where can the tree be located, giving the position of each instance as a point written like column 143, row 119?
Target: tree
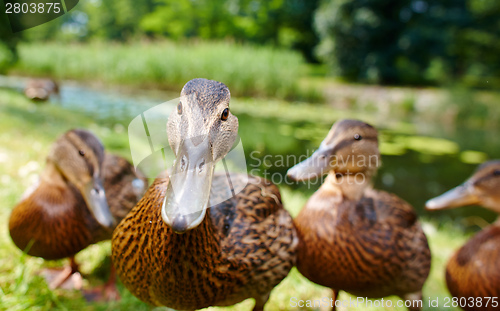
column 287, row 23
column 477, row 47
column 284, row 23
column 392, row 41
column 8, row 43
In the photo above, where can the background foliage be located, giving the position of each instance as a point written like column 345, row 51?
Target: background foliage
column 8, row 43
column 285, row 23
column 410, row 42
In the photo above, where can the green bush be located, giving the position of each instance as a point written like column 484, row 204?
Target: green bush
column 8, row 43
column 411, row 41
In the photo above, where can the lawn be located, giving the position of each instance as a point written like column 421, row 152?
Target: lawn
column 26, row 133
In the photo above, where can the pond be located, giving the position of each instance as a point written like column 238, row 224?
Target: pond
column 420, row 160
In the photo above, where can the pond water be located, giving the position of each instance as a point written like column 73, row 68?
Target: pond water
column 419, row 160
column 426, row 163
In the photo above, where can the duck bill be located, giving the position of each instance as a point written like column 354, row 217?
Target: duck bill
column 188, row 190
column 313, row 167
column 95, row 197
column 459, row 196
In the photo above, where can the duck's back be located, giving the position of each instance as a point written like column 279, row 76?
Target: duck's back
column 473, row 270
column 243, row 248
column 373, row 247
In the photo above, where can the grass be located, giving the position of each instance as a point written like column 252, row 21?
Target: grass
column 26, row 133
column 247, row 70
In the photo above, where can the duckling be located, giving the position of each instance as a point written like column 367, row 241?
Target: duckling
column 472, row 272
column 352, row 237
column 67, row 210
column 41, row 89
column 178, row 247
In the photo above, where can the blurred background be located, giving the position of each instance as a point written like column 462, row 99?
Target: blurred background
column 425, row 73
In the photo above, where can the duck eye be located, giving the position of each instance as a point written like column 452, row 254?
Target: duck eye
column 81, row 152
column 179, row 108
column 496, row 173
column 357, row 137
column 225, row 114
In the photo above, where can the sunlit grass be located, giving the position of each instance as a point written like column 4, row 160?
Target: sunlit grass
column 26, row 133
column 247, row 70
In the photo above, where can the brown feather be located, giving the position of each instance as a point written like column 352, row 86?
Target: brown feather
column 372, row 248
column 353, row 238
column 473, row 269
column 56, row 218
column 472, row 272
column 243, row 248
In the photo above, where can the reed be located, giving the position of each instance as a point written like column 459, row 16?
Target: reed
column 247, row 70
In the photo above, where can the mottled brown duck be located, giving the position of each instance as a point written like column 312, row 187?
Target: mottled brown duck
column 473, row 273
column 40, row 89
column 80, row 197
column 354, row 238
column 172, row 250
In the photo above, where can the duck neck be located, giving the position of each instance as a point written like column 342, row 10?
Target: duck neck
column 52, row 176
column 200, row 244
column 349, row 186
column 52, row 187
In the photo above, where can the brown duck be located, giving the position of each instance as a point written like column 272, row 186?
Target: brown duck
column 351, row 237
column 172, row 250
column 67, row 210
column 473, row 271
column 40, row 89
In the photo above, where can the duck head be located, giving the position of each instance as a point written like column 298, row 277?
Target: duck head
column 482, row 188
column 350, row 150
column 201, row 131
column 77, row 157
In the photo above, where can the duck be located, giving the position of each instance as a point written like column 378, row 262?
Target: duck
column 40, row 89
column 81, row 195
column 186, row 245
column 352, row 237
column 472, row 273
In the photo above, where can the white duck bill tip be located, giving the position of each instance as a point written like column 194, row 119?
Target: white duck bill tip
column 182, row 223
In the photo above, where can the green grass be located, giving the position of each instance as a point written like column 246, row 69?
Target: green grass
column 247, row 70
column 26, row 133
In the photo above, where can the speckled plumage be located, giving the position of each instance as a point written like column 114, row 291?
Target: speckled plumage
column 204, row 91
column 242, row 249
column 173, row 251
